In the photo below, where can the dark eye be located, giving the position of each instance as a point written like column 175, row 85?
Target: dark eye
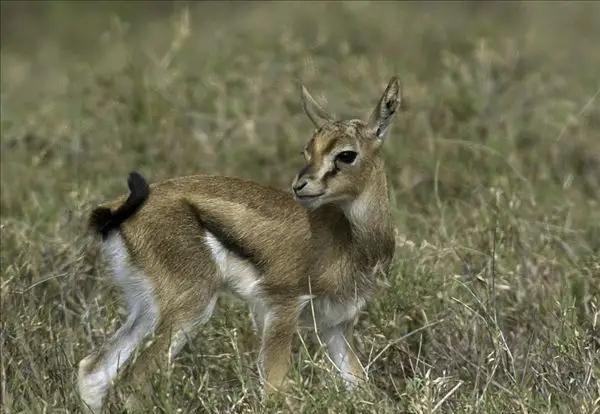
column 346, row 157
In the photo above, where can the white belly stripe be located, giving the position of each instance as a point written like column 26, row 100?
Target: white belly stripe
column 239, row 275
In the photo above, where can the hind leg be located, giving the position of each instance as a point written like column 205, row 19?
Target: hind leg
column 174, row 330
column 258, row 311
column 98, row 370
column 188, row 330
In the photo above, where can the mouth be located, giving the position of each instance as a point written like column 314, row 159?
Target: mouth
column 308, row 196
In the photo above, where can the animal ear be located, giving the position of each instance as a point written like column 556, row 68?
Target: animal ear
column 382, row 115
column 315, row 112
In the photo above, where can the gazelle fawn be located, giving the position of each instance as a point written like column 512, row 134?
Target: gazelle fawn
column 174, row 246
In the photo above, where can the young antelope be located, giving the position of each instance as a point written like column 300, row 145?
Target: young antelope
column 174, row 246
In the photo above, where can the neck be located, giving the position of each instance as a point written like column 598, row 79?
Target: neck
column 370, row 220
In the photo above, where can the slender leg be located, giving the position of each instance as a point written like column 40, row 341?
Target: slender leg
column 98, row 370
column 148, row 360
column 171, row 335
column 339, row 345
column 280, row 326
column 258, row 311
column 189, row 330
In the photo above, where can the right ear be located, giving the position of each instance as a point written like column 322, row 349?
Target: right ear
column 313, row 110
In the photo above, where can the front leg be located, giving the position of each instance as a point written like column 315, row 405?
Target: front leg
column 280, row 326
column 339, row 345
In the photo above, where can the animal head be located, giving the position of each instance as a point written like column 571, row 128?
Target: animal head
column 342, row 155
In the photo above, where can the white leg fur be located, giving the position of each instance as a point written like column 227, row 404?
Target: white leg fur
column 142, row 319
column 340, row 353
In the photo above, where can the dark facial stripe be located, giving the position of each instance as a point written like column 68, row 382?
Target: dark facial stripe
column 331, row 173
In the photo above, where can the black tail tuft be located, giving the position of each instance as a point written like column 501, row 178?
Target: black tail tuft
column 100, row 218
column 103, row 220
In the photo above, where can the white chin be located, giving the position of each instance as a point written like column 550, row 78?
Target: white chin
column 310, row 203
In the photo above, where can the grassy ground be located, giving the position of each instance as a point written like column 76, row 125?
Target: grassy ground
column 493, row 302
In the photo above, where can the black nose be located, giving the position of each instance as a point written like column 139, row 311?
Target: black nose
column 300, row 184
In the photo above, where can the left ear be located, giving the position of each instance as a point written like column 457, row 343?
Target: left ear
column 382, row 115
column 313, row 110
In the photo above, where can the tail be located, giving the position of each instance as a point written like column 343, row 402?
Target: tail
column 103, row 220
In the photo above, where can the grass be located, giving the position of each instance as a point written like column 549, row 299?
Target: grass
column 492, row 305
